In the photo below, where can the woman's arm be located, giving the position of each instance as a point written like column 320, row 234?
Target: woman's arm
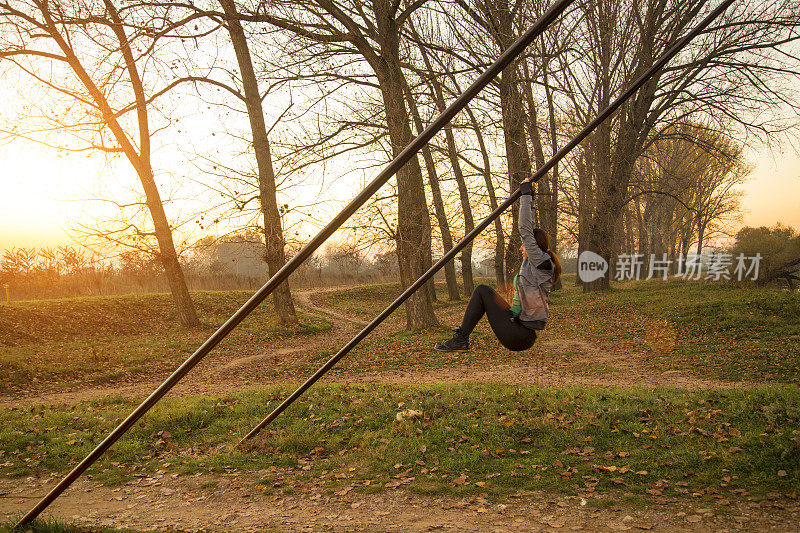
column 527, row 223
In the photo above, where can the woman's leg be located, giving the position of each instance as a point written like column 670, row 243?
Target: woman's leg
column 484, row 300
column 509, row 332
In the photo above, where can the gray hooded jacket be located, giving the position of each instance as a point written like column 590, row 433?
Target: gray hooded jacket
column 530, row 277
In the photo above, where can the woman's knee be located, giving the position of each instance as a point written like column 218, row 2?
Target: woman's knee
column 484, row 290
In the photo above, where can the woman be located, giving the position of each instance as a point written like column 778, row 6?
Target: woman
column 513, row 324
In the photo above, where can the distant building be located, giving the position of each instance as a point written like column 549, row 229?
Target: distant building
column 241, row 258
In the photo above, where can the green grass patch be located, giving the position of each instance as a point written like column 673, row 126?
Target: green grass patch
column 660, row 445
column 714, row 330
column 100, row 339
column 721, row 330
column 369, row 300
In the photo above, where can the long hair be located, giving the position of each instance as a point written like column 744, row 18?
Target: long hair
column 544, row 244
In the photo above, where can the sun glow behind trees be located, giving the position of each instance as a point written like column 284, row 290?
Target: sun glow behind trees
column 44, row 197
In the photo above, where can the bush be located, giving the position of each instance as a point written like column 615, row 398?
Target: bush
column 779, row 247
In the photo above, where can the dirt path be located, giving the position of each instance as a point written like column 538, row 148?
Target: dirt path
column 233, row 502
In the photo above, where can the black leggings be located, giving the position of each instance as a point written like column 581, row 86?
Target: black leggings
column 508, row 330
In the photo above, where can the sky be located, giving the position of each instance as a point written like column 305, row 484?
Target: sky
column 43, row 195
column 772, row 194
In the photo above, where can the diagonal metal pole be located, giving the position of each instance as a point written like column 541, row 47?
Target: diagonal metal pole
column 589, row 128
column 282, row 275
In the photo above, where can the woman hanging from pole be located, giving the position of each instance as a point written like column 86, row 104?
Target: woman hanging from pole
column 515, row 325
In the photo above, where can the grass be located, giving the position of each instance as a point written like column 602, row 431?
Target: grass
column 651, row 445
column 368, row 300
column 715, row 330
column 719, row 330
column 604, row 444
column 101, row 339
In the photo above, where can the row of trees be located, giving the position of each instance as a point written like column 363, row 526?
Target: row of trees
column 347, row 85
column 67, row 271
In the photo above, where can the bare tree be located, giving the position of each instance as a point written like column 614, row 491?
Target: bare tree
column 273, row 231
column 373, row 33
column 722, row 77
column 501, row 22
column 438, row 202
column 716, row 199
column 433, row 80
column 104, row 59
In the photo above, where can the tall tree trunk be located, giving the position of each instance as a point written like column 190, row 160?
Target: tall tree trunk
column 552, row 205
column 486, row 171
column 497, row 19
column 517, row 157
column 628, row 232
column 458, row 174
column 643, row 228
column 140, row 160
column 430, row 285
column 544, row 192
column 273, row 232
column 599, row 229
column 413, row 219
column 585, row 205
column 614, row 173
column 438, row 203
column 701, row 231
column 167, row 254
column 500, row 240
column 612, row 187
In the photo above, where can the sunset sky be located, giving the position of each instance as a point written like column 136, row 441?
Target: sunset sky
column 43, row 194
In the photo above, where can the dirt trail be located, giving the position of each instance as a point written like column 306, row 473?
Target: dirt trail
column 234, row 502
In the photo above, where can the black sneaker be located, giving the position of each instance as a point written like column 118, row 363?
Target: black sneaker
column 458, row 343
